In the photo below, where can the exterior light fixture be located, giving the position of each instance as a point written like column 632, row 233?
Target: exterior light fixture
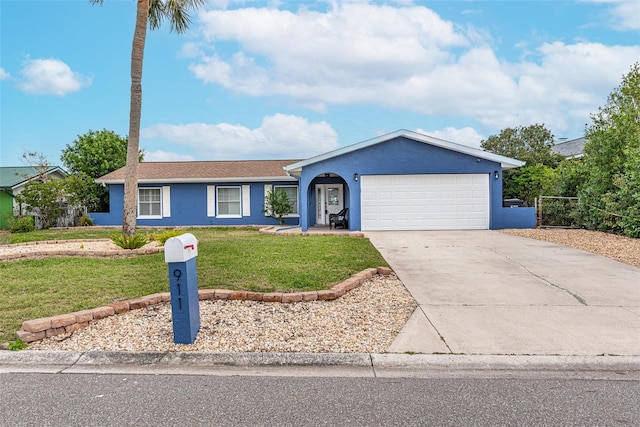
column 355, row 176
column 496, row 175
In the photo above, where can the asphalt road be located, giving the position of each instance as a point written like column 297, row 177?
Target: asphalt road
column 30, row 399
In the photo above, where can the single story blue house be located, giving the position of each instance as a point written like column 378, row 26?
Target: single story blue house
column 398, row 181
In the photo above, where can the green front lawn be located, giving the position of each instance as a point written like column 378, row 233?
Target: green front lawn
column 228, row 258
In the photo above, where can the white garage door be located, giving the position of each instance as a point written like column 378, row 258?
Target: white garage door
column 425, row 202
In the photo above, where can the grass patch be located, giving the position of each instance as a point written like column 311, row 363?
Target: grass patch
column 228, row 258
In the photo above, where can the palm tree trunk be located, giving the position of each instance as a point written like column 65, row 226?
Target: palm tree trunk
column 133, row 147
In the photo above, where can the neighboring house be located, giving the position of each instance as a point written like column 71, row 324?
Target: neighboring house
column 572, row 149
column 12, row 182
column 399, row 181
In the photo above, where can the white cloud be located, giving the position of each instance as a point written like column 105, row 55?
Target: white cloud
column 50, row 77
column 625, row 14
column 3, row 74
column 628, row 15
column 465, row 136
column 279, row 137
column 406, row 58
column 332, row 51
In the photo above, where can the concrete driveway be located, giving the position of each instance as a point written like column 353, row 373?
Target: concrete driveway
column 485, row 292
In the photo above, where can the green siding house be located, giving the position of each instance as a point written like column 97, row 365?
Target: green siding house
column 12, row 181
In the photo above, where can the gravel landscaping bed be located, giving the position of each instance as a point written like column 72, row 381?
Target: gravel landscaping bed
column 366, row 319
column 621, row 248
column 76, row 247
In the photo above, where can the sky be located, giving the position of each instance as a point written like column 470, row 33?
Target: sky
column 293, row 79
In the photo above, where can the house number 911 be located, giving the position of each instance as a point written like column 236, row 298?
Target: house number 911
column 177, row 273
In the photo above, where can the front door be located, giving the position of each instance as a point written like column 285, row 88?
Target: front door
column 329, row 200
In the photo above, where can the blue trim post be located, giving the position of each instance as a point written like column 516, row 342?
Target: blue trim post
column 185, row 308
column 180, row 253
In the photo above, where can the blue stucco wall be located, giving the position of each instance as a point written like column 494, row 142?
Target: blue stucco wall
column 189, row 207
column 402, row 156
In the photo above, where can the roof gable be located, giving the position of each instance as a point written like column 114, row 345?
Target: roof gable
column 506, row 162
column 14, row 176
column 205, row 171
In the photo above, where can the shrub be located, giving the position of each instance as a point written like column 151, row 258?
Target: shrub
column 165, row 235
column 85, row 220
column 129, row 242
column 22, row 224
column 277, row 205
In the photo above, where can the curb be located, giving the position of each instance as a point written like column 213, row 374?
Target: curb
column 382, row 361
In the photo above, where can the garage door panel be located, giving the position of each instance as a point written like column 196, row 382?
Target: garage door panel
column 425, row 202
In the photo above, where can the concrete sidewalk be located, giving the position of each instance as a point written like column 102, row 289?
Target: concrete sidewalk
column 489, row 293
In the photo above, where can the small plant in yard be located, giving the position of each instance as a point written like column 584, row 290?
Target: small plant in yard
column 278, row 205
column 166, row 235
column 129, row 242
column 85, row 220
column 22, row 224
column 17, row 345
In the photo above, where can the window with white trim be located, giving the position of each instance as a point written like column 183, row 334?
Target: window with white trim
column 292, row 194
column 229, row 202
column 149, row 202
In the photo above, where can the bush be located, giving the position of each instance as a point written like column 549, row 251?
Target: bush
column 166, row 235
column 129, row 242
column 22, row 224
column 85, row 220
column 277, row 205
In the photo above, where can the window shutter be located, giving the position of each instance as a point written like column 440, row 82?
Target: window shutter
column 211, row 200
column 166, row 201
column 246, row 200
column 267, row 190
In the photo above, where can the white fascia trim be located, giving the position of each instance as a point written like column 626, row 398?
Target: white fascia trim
column 506, row 162
column 201, row 180
column 49, row 172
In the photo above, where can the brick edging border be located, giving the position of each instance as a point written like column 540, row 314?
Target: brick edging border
column 75, row 252
column 45, row 327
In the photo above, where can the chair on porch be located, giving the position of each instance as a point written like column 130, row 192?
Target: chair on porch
column 339, row 219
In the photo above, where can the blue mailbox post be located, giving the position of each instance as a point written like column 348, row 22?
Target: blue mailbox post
column 180, row 253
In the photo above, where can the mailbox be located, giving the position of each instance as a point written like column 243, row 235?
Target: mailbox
column 180, row 248
column 180, row 253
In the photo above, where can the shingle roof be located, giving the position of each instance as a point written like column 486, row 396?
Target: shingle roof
column 570, row 149
column 10, row 176
column 214, row 171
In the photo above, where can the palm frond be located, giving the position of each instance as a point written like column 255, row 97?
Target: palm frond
column 176, row 11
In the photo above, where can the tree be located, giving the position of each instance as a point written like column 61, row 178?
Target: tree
column 278, row 205
column 611, row 194
column 570, row 177
column 48, row 199
column 92, row 155
column 531, row 144
column 533, row 181
column 152, row 12
column 44, row 199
